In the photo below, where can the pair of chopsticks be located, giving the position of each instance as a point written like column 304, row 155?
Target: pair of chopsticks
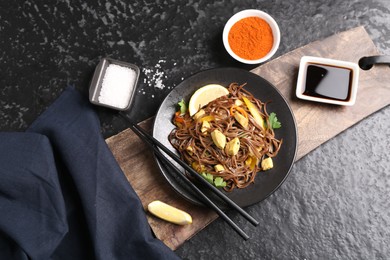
column 155, row 144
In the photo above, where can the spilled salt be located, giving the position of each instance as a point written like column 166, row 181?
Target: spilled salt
column 117, row 86
column 155, row 76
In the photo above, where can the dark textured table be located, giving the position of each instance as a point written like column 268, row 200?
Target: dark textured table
column 335, row 203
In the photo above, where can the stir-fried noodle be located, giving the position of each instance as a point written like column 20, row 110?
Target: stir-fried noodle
column 193, row 139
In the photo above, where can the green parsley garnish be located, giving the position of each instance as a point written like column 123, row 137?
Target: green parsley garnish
column 273, row 120
column 208, row 176
column 183, row 107
column 217, row 182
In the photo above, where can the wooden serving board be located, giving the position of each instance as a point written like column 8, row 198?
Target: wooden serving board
column 316, row 122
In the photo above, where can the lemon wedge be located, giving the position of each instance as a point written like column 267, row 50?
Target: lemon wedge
column 169, row 213
column 205, row 95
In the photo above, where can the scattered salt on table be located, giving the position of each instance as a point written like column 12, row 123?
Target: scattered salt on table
column 117, row 86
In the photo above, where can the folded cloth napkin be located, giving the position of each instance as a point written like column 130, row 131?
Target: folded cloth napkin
column 64, row 196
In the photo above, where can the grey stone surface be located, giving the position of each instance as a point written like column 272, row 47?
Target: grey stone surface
column 334, row 205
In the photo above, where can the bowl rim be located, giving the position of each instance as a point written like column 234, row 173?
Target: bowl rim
column 250, row 13
column 331, row 62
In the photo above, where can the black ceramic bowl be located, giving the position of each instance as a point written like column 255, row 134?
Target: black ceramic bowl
column 266, row 182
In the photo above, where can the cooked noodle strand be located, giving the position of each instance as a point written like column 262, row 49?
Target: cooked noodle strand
column 256, row 143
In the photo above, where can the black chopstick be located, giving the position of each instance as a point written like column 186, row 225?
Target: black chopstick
column 196, row 190
column 193, row 173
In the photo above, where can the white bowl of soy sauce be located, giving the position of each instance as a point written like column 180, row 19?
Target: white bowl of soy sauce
column 327, row 81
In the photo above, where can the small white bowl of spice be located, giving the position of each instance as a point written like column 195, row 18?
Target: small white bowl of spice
column 113, row 84
column 251, row 36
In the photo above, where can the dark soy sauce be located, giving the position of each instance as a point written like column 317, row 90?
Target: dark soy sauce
column 327, row 81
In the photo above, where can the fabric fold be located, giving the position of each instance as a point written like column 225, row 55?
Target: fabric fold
column 32, row 208
column 104, row 216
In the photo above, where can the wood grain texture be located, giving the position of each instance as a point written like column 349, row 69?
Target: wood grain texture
column 316, row 122
column 138, row 164
column 319, row 122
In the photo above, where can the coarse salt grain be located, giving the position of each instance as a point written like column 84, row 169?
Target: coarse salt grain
column 155, row 75
column 117, row 85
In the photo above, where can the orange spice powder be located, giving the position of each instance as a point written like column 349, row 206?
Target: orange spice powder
column 251, row 38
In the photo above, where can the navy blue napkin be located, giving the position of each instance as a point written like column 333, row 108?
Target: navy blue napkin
column 64, row 196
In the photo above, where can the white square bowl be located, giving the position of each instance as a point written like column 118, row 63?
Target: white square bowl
column 302, row 75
